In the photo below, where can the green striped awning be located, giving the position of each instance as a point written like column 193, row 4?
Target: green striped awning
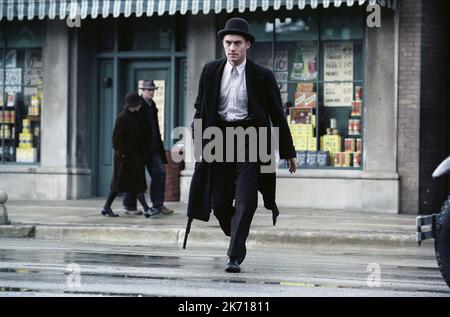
column 60, row 9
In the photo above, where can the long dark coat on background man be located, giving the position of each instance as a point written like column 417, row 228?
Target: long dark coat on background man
column 130, row 143
column 150, row 113
column 265, row 106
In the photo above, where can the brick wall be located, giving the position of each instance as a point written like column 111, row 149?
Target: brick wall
column 410, row 38
column 434, row 103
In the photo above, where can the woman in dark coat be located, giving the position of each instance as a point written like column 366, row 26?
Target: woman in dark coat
column 130, row 151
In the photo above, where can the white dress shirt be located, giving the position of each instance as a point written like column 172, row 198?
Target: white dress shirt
column 233, row 101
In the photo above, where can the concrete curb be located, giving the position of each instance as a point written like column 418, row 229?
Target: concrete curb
column 109, row 235
column 17, row 231
column 134, row 235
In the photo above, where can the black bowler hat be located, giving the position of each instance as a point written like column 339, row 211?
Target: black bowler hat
column 132, row 100
column 237, row 26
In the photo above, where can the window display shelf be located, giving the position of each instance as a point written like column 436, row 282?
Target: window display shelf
column 34, row 118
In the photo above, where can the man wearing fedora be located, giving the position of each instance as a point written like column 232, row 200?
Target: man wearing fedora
column 156, row 159
column 236, row 92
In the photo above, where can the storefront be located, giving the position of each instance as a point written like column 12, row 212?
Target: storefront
column 337, row 80
column 21, row 81
column 67, row 65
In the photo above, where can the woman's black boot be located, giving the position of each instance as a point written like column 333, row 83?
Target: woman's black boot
column 108, row 212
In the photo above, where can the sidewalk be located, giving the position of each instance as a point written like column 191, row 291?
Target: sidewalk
column 80, row 220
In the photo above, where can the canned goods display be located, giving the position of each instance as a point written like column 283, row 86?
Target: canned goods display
column 356, row 126
column 5, row 132
column 350, row 127
column 350, row 145
column 357, row 159
column 358, row 145
column 358, row 94
column 6, row 116
column 347, row 159
column 337, row 159
column 356, row 108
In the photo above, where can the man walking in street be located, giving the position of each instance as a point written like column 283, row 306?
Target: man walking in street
column 157, row 158
column 235, row 92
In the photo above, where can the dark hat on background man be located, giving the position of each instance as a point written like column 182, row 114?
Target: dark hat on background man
column 237, row 26
column 147, row 84
column 132, row 100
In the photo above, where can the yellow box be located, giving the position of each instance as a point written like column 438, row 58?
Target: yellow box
column 312, row 144
column 301, row 144
column 25, row 145
column 331, row 143
column 302, row 130
column 26, row 155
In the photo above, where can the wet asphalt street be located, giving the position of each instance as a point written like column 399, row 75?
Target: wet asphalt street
column 51, row 268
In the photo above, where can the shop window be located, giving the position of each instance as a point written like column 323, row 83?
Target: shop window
column 342, row 24
column 181, row 33
column 20, row 94
column 325, row 86
column 317, row 59
column 262, row 50
column 24, row 35
column 340, row 92
column 106, row 38
column 146, row 33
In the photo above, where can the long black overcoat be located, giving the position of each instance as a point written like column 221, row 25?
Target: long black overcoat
column 130, row 150
column 264, row 104
column 150, row 113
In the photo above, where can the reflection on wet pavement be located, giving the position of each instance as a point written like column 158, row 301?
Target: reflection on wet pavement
column 42, row 267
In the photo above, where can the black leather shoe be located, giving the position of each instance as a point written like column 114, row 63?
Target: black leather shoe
column 275, row 214
column 232, row 266
column 108, row 212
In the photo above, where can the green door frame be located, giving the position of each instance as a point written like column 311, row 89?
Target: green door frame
column 177, row 61
column 129, row 66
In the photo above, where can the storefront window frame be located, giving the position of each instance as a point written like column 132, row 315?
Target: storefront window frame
column 4, row 47
column 318, row 12
column 175, row 55
column 3, row 86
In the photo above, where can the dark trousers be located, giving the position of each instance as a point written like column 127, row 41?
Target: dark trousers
column 236, row 181
column 157, row 170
